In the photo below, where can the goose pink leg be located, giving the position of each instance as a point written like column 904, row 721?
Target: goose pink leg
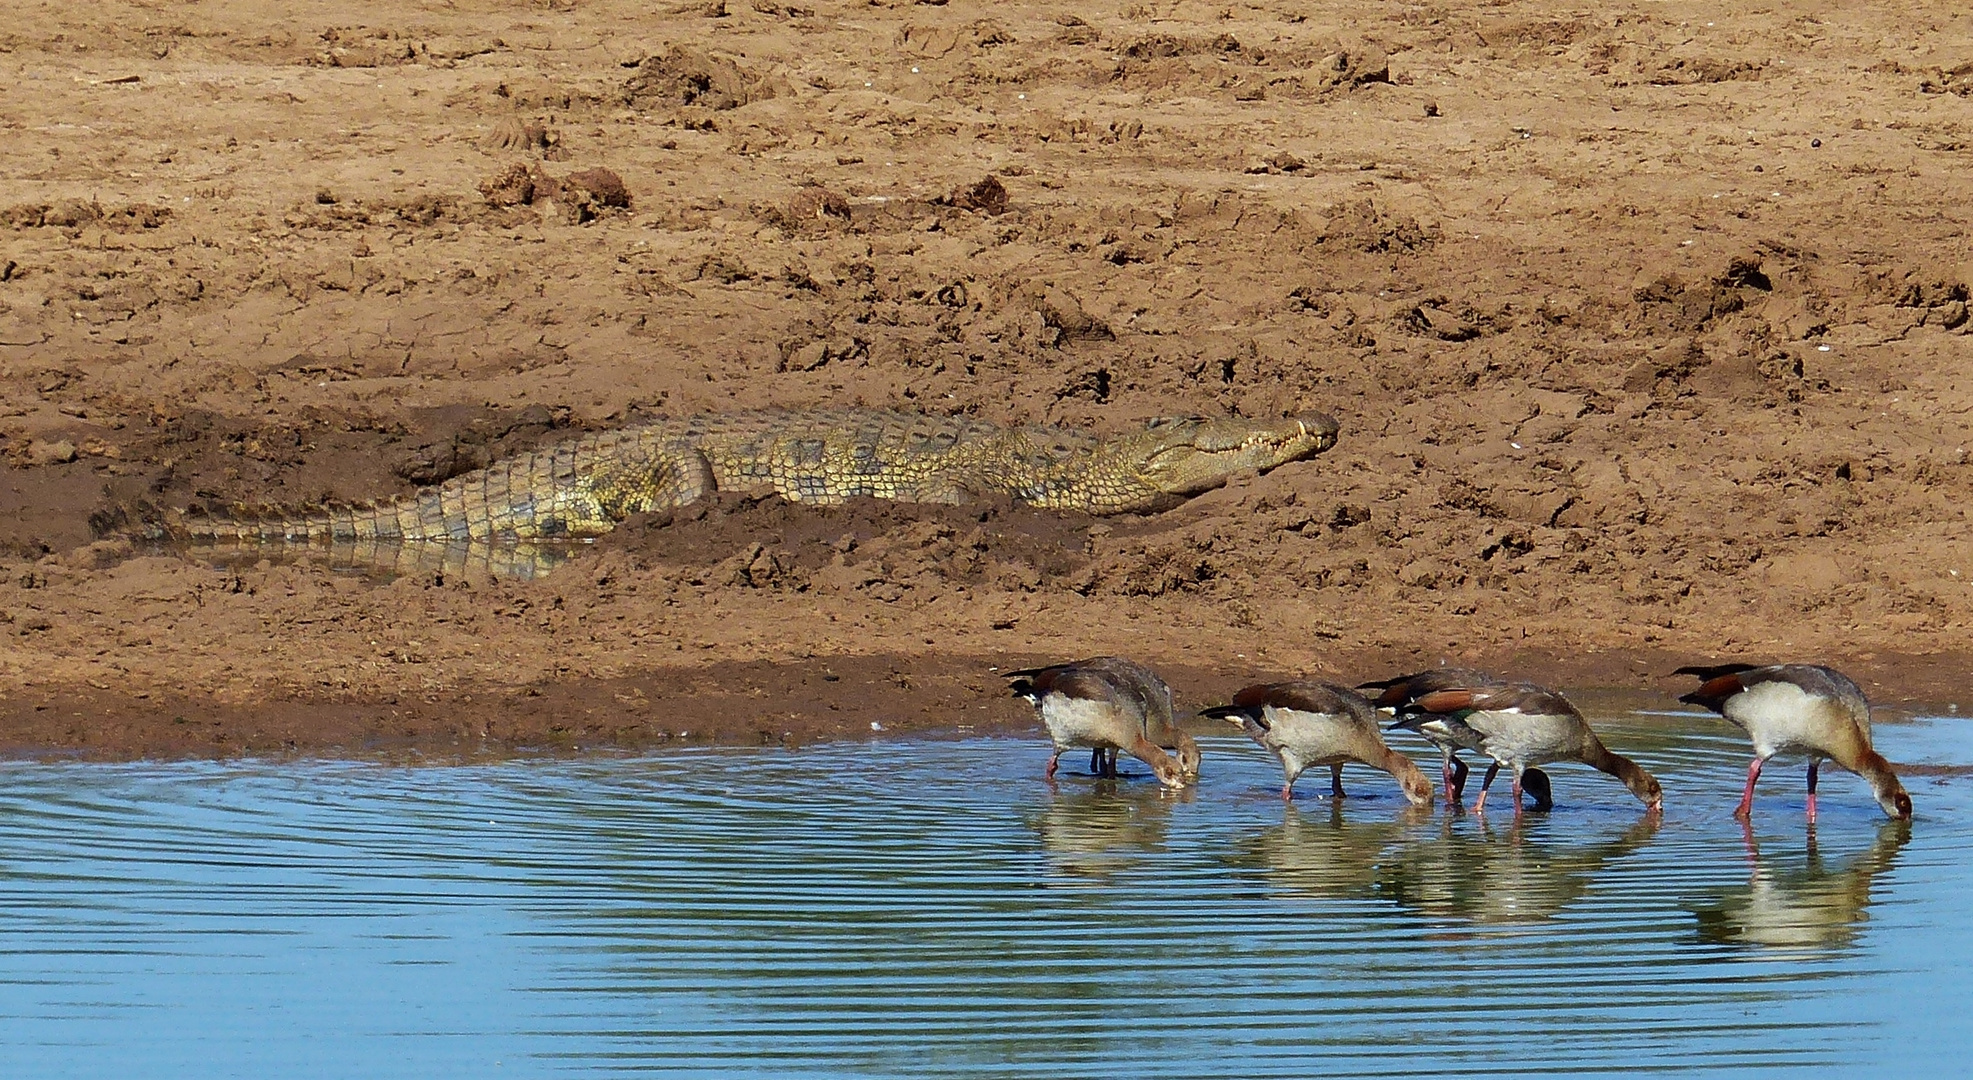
column 1746, row 806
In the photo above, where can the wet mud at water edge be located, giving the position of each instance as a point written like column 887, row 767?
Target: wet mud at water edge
column 789, row 704
column 933, row 906
column 1646, row 329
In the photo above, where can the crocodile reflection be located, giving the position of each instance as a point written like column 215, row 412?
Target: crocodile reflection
column 1800, row 901
column 1480, row 875
column 385, row 560
column 1106, row 828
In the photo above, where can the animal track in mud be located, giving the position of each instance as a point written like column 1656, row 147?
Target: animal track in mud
column 515, row 133
column 935, row 41
column 73, row 214
column 363, row 47
column 1701, row 70
column 1669, row 302
column 1167, row 61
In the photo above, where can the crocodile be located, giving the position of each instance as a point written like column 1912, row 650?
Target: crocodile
column 583, row 487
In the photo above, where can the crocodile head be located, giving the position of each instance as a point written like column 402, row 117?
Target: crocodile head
column 1185, row 457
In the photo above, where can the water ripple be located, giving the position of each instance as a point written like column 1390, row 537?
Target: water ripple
column 934, row 908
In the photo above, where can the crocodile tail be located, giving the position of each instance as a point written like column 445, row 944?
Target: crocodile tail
column 247, row 523
column 140, row 521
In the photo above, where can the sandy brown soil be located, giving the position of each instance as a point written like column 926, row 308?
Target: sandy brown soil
column 1647, row 328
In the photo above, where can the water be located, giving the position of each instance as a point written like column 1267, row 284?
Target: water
column 932, row 908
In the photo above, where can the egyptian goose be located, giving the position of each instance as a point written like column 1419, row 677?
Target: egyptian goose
column 1312, row 723
column 1519, row 725
column 1106, row 704
column 1404, row 689
column 1160, row 718
column 1799, row 707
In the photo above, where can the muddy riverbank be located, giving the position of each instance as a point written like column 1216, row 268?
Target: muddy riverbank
column 1646, row 329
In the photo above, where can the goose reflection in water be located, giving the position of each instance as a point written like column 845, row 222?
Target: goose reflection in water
column 1800, row 902
column 1512, row 876
column 1105, row 828
column 1317, row 852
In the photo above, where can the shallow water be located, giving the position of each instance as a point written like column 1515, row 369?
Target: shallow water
column 934, row 908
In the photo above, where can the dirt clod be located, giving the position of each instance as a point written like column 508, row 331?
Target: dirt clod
column 512, row 186
column 815, row 203
column 988, row 195
column 604, row 188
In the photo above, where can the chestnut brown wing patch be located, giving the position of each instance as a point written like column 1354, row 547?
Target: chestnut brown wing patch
column 1066, row 680
column 1712, row 693
column 1446, row 701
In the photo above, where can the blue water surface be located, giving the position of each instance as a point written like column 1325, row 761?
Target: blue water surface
column 934, row 908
